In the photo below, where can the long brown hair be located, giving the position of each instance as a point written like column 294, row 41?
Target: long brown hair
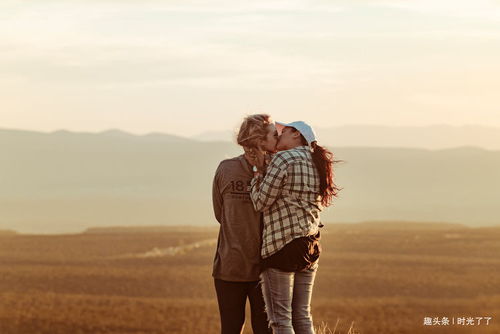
column 252, row 129
column 323, row 159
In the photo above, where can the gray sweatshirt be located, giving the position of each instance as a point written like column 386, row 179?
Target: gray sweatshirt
column 237, row 257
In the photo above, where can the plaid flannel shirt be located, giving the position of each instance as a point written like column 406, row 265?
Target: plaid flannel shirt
column 288, row 195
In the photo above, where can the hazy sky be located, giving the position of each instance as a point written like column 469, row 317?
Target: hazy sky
column 184, row 67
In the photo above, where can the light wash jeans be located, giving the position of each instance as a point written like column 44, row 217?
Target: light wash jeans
column 288, row 299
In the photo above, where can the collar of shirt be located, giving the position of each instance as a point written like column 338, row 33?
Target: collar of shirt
column 246, row 165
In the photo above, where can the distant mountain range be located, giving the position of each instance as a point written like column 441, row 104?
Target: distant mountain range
column 429, row 137
column 66, row 182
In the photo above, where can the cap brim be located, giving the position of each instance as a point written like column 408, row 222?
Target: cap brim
column 280, row 126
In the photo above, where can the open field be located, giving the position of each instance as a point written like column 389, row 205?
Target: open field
column 384, row 277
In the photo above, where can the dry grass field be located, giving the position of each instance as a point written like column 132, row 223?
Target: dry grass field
column 378, row 277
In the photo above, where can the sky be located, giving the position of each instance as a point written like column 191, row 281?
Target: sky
column 185, row 67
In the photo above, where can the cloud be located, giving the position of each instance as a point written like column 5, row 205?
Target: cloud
column 188, row 43
column 253, row 69
column 221, row 43
column 478, row 9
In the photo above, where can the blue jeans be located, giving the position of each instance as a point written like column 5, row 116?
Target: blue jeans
column 288, row 299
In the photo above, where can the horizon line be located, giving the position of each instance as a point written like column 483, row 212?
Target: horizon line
column 128, row 132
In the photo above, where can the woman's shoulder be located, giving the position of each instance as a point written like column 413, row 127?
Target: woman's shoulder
column 230, row 163
column 280, row 157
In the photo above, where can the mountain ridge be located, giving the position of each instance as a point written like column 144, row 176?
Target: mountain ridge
column 66, row 183
column 436, row 136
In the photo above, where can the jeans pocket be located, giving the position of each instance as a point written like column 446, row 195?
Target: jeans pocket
column 314, row 267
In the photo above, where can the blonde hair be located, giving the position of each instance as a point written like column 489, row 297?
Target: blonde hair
column 252, row 129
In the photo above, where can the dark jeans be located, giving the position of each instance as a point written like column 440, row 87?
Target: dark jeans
column 232, row 298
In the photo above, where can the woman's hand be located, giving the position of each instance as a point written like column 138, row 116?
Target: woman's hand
column 267, row 158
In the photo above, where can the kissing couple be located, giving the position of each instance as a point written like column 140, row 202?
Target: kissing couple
column 268, row 202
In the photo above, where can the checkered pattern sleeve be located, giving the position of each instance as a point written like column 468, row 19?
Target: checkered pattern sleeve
column 265, row 189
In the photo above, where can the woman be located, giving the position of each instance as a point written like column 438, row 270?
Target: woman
column 291, row 192
column 236, row 266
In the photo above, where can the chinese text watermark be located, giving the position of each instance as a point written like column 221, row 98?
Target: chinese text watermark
column 461, row 321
